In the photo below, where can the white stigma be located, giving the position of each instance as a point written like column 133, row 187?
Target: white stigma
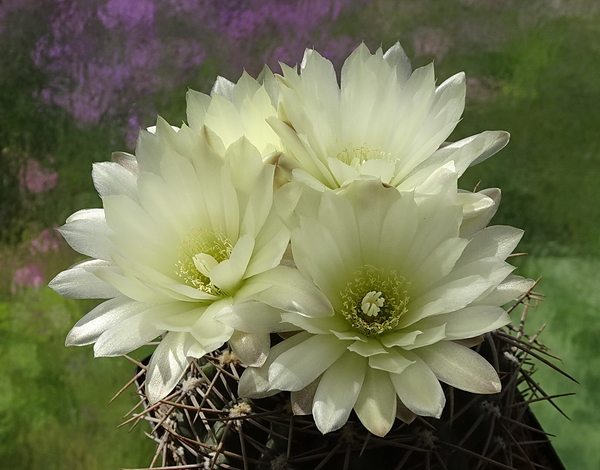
column 204, row 263
column 371, row 303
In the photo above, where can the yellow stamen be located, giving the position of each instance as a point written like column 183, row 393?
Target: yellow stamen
column 374, row 300
column 198, row 255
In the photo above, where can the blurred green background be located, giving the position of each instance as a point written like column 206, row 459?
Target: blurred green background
column 78, row 78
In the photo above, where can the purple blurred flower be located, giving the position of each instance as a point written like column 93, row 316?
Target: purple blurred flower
column 36, row 179
column 28, row 276
column 45, row 242
column 98, row 56
column 127, row 13
column 110, row 60
column 106, row 60
column 281, row 29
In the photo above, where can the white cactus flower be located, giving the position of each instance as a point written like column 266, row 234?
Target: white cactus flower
column 394, row 287
column 184, row 232
column 233, row 110
column 382, row 120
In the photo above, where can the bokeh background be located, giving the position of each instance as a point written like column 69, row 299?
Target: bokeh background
column 78, row 78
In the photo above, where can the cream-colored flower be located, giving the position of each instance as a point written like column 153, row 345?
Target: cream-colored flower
column 393, row 288
column 383, row 120
column 233, row 110
column 184, row 233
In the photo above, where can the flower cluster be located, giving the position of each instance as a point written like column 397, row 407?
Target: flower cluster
column 325, row 211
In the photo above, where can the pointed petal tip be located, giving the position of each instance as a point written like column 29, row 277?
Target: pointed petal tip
column 70, row 340
column 155, row 392
column 75, row 338
column 504, row 135
column 52, row 283
column 459, row 78
column 152, row 395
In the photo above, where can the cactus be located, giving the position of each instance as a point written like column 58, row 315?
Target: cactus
column 204, row 424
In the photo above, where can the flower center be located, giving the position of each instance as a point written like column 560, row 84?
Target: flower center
column 371, row 303
column 198, row 255
column 357, row 156
column 374, row 300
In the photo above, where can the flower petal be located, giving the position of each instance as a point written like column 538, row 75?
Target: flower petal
column 403, row 413
column 430, row 336
column 376, row 403
column 338, row 391
column 79, row 282
column 290, row 291
column 86, row 232
column 510, row 289
column 254, row 381
column 394, row 361
column 302, row 400
column 498, row 241
column 461, row 367
column 295, row 369
column 104, row 316
column 166, row 367
column 317, row 325
column 368, row 348
column 252, row 349
column 467, row 322
column 483, row 217
column 111, row 178
column 253, row 317
column 228, row 274
column 419, row 389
